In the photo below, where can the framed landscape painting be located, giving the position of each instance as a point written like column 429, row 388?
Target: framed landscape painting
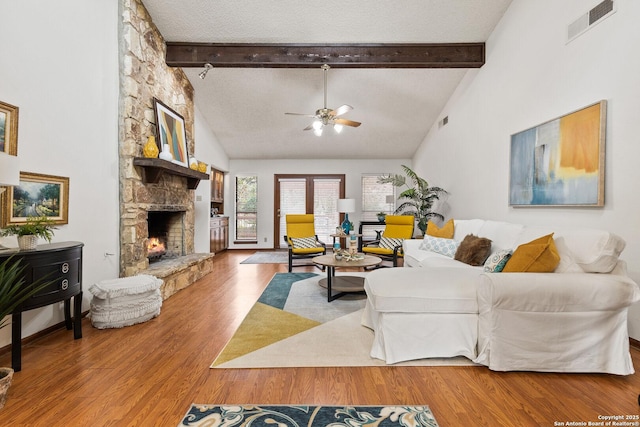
column 8, row 128
column 560, row 162
column 171, row 131
column 37, row 195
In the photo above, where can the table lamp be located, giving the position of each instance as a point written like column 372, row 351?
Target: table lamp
column 9, row 171
column 346, row 206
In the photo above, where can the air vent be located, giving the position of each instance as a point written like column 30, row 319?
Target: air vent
column 591, row 18
column 443, row 122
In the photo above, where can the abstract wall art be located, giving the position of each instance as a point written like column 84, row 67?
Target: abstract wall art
column 560, row 162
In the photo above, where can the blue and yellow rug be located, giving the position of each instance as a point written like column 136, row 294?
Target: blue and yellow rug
column 290, row 304
column 293, row 325
column 309, row 416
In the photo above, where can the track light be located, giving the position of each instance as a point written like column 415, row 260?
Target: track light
column 204, row 72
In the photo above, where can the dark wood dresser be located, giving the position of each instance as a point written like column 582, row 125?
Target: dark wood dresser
column 57, row 262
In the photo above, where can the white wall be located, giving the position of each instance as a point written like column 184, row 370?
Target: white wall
column 208, row 150
column 531, row 75
column 267, row 169
column 59, row 65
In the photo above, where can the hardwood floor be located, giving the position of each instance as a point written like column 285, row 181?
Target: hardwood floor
column 149, row 374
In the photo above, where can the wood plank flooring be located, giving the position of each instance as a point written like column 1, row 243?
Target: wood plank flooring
column 149, row 374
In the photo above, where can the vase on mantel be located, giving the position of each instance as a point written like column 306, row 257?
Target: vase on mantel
column 165, row 154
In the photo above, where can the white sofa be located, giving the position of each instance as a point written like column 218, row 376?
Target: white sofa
column 571, row 320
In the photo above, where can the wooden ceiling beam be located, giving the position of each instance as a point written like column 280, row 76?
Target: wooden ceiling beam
column 429, row 55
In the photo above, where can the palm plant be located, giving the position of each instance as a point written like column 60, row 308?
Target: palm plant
column 418, row 198
column 13, row 290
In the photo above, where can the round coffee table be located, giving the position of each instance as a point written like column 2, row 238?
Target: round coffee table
column 343, row 284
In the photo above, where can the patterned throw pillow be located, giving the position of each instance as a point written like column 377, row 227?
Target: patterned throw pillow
column 496, row 261
column 447, row 247
column 390, row 242
column 304, row 242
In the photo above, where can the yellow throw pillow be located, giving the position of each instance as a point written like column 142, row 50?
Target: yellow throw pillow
column 446, row 232
column 537, row 256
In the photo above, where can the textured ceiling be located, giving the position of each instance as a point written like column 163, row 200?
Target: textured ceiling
column 245, row 106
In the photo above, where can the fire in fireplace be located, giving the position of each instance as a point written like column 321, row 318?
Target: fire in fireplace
column 165, row 238
column 155, row 248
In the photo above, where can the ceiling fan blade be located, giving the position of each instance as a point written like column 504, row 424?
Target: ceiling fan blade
column 301, row 114
column 341, row 110
column 309, row 127
column 346, row 122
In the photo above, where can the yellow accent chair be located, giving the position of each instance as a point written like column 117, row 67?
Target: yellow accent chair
column 389, row 247
column 302, row 240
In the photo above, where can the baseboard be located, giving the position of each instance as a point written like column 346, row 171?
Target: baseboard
column 634, row 343
column 40, row 334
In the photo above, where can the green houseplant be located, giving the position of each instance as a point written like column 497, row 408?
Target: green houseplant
column 29, row 231
column 13, row 292
column 418, row 198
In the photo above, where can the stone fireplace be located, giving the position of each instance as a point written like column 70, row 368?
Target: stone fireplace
column 151, row 204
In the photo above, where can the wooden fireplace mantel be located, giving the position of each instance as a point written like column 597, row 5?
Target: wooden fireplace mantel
column 154, row 169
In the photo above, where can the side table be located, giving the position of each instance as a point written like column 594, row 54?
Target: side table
column 61, row 263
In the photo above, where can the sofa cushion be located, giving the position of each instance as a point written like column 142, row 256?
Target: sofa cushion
column 438, row 245
column 445, row 232
column 503, row 235
column 473, row 250
column 463, row 227
column 410, row 290
column 538, row 256
column 595, row 251
column 496, row 261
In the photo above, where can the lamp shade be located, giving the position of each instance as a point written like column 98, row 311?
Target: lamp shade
column 9, row 170
column 346, row 205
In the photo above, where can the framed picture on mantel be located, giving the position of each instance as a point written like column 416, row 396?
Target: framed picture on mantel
column 171, row 131
column 560, row 162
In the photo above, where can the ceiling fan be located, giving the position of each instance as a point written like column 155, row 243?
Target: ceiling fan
column 326, row 116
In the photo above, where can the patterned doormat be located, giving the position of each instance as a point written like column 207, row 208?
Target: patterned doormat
column 308, row 416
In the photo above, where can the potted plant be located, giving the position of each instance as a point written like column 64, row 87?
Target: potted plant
column 29, row 231
column 13, row 292
column 418, row 198
column 381, row 216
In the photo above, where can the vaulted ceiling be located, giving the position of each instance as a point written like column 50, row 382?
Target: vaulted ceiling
column 245, row 107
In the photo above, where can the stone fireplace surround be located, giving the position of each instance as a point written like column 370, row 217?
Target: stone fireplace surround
column 144, row 75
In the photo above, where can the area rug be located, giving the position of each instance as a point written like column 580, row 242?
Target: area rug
column 308, row 416
column 264, row 257
column 293, row 325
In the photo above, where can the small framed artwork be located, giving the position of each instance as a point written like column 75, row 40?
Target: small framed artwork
column 37, row 195
column 560, row 162
column 8, row 128
column 171, row 131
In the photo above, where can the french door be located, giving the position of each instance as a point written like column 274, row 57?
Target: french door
column 300, row 194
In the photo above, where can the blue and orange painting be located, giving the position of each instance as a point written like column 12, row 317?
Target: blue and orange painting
column 560, row 162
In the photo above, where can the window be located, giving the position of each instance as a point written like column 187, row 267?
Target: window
column 247, row 208
column 317, row 194
column 376, row 197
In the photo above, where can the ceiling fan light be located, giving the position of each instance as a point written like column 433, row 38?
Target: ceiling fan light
column 317, row 125
column 318, row 131
column 337, row 127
